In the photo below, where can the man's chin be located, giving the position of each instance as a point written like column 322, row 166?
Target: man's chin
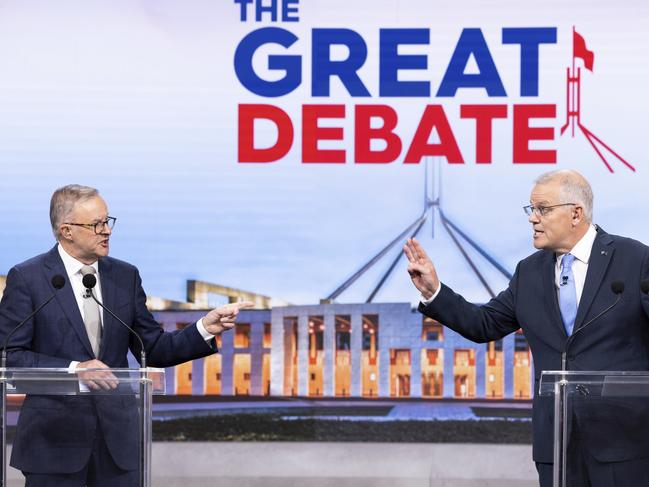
column 539, row 243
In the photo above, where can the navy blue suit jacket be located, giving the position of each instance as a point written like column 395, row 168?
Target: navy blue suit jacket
column 55, row 433
column 618, row 340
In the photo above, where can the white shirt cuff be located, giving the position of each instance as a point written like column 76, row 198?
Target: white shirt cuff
column 425, row 301
column 72, row 369
column 207, row 336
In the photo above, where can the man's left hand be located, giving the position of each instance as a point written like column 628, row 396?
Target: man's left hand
column 222, row 318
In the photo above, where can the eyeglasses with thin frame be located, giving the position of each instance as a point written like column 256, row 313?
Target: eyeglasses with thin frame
column 97, row 227
column 542, row 210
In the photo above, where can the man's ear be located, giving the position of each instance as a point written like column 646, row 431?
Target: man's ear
column 65, row 232
column 577, row 215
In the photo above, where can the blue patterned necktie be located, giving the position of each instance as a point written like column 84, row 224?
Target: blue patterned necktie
column 567, row 293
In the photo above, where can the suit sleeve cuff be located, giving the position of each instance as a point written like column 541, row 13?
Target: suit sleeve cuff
column 207, row 336
column 425, row 301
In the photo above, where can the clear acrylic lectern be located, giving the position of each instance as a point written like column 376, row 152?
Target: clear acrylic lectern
column 70, row 411
column 601, row 415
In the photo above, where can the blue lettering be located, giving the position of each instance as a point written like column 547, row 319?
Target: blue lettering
column 244, row 8
column 290, row 7
column 324, row 68
column 529, row 38
column 391, row 62
column 471, row 42
column 260, row 9
column 292, row 65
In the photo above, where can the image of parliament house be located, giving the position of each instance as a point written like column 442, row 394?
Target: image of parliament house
column 369, row 350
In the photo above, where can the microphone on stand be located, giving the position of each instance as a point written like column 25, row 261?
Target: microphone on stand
column 617, row 287
column 58, row 282
column 90, row 281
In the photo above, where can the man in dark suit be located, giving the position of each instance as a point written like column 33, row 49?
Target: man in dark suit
column 552, row 294
column 72, row 440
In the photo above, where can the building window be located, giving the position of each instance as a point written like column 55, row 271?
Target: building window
column 343, row 359
column 316, row 355
column 431, row 331
column 522, row 367
column 464, row 372
column 370, row 356
column 399, row 372
column 432, row 373
column 267, row 335
column 241, row 374
column 242, row 335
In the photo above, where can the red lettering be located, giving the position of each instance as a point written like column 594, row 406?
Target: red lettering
column 484, row 115
column 311, row 133
column 364, row 134
column 523, row 134
column 434, row 118
column 247, row 116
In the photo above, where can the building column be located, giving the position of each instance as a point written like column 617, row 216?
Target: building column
column 415, row 372
column 329, row 338
column 170, row 380
column 508, row 361
column 198, row 377
column 356, row 353
column 532, row 374
column 303, row 354
column 277, row 351
column 480, row 371
column 256, row 357
column 384, row 368
column 449, row 372
column 227, row 364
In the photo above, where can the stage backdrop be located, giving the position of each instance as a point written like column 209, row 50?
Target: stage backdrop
column 275, row 146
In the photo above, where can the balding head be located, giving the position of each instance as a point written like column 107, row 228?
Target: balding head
column 573, row 188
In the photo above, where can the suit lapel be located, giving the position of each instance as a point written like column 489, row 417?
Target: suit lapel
column 600, row 258
column 65, row 297
column 550, row 293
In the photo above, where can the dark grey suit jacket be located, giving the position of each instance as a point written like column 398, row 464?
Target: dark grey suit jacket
column 55, row 433
column 618, row 340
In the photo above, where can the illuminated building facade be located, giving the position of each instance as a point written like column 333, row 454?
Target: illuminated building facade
column 351, row 350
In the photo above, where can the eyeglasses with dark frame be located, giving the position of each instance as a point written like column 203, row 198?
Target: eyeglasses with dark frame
column 542, row 210
column 97, row 227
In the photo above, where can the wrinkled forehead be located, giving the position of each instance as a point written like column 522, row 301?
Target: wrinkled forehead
column 546, row 194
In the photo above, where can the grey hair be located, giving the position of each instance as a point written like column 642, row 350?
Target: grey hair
column 63, row 201
column 574, row 188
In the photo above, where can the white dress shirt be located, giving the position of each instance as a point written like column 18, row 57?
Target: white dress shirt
column 581, row 251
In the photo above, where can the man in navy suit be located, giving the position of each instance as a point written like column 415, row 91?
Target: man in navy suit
column 72, row 440
column 553, row 293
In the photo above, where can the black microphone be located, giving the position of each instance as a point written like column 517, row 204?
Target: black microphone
column 89, row 282
column 617, row 287
column 58, row 281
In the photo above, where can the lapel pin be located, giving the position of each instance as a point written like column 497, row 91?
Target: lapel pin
column 604, row 252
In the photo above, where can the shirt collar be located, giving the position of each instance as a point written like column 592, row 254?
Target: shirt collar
column 72, row 265
column 584, row 247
